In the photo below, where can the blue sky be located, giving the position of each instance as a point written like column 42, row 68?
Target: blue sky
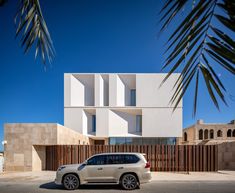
column 89, row 36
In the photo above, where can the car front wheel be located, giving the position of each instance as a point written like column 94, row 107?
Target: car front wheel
column 71, row 182
column 129, row 182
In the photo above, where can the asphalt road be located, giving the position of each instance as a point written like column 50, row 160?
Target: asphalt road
column 153, row 187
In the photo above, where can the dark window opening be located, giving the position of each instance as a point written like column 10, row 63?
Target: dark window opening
column 133, row 97
column 200, row 134
column 211, row 134
column 139, row 123
column 93, row 123
column 229, row 133
column 98, row 142
column 206, row 134
column 234, row 133
column 142, row 140
column 185, row 136
column 219, row 133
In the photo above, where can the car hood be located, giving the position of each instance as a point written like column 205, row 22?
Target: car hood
column 72, row 165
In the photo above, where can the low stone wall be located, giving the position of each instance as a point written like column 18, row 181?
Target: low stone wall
column 25, row 148
column 1, row 163
column 226, row 156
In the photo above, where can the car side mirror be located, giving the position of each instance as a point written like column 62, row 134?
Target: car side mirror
column 82, row 166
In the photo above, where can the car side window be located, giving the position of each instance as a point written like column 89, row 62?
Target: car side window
column 115, row 159
column 96, row 160
column 130, row 159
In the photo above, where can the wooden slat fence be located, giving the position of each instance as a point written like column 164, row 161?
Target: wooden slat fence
column 161, row 157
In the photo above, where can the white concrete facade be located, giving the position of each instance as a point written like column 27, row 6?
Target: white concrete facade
column 109, row 98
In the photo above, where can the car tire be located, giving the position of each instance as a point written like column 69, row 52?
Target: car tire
column 129, row 182
column 71, row 182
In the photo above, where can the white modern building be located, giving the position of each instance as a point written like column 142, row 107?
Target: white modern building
column 119, row 108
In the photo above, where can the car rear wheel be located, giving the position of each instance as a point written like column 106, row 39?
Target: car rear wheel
column 71, row 182
column 129, row 182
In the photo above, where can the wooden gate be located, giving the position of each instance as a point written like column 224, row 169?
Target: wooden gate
column 161, row 157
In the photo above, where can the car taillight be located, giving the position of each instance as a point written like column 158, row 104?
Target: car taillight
column 147, row 165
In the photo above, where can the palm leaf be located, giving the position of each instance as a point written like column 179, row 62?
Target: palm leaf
column 208, row 85
column 227, row 22
column 190, row 18
column 221, row 61
column 32, row 28
column 196, row 39
column 224, row 37
column 171, row 12
column 213, row 72
column 2, row 2
column 195, row 94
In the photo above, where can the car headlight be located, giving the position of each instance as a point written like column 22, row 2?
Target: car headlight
column 61, row 168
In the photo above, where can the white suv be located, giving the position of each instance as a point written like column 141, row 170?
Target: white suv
column 127, row 169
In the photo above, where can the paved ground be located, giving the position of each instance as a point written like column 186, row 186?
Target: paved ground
column 153, row 187
column 33, row 182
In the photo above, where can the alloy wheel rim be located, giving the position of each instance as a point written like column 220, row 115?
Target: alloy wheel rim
column 70, row 182
column 129, row 182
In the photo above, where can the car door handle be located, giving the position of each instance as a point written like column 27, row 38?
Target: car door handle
column 100, row 169
column 121, row 168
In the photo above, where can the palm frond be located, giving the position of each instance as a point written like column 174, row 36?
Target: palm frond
column 196, row 45
column 171, row 8
column 2, row 2
column 33, row 30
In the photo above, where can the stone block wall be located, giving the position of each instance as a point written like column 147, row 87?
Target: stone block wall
column 226, row 156
column 25, row 148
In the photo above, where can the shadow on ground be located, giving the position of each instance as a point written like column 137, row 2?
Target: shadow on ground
column 53, row 186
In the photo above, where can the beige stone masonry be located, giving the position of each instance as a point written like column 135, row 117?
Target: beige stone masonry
column 25, row 148
column 193, row 133
column 226, row 156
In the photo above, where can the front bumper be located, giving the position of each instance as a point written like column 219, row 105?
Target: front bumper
column 58, row 179
column 57, row 182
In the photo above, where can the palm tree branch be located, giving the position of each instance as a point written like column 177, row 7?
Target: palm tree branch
column 197, row 26
column 195, row 94
column 33, row 30
column 213, row 72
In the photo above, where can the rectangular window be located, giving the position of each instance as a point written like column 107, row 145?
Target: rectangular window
column 139, row 123
column 115, row 159
column 133, row 97
column 93, row 123
column 130, row 159
column 97, row 160
column 142, row 140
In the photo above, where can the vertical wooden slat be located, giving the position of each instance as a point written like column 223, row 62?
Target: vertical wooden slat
column 173, row 154
column 216, row 158
column 194, row 158
column 168, row 158
column 200, row 158
column 181, row 158
column 176, row 158
column 212, row 157
column 155, row 158
column 185, row 157
column 189, row 158
column 208, row 158
column 161, row 157
column 204, row 158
